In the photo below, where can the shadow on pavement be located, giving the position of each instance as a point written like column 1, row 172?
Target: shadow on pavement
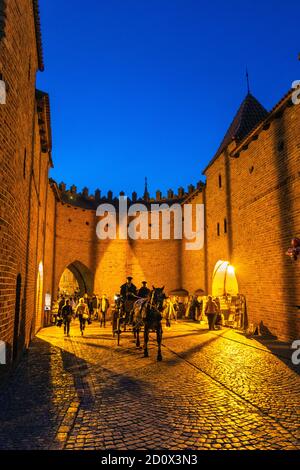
column 79, row 370
column 91, row 344
column 186, row 355
column 184, row 335
column 282, row 350
column 27, row 414
column 35, row 398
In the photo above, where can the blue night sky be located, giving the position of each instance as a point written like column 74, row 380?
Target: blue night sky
column 149, row 87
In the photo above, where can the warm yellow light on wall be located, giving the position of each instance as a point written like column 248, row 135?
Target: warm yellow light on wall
column 39, row 298
column 224, row 280
column 230, row 269
column 41, row 268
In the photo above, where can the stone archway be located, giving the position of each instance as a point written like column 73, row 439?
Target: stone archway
column 76, row 276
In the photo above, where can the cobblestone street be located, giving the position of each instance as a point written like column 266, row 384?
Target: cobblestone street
column 213, row 390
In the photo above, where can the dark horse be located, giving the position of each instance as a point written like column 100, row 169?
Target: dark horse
column 147, row 313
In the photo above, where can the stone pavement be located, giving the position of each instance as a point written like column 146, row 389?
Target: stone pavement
column 213, row 390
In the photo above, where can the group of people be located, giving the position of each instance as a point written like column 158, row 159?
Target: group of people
column 67, row 313
column 194, row 308
column 88, row 308
column 85, row 309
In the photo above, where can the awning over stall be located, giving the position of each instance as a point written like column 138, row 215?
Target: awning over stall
column 224, row 280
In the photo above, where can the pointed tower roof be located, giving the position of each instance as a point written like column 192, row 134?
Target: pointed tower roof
column 249, row 115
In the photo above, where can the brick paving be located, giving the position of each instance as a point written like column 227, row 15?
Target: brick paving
column 213, row 390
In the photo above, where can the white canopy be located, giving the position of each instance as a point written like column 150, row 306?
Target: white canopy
column 224, row 280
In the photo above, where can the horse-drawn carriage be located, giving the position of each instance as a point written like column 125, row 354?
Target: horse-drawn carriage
column 140, row 314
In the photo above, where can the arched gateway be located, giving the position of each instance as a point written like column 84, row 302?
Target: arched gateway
column 76, row 278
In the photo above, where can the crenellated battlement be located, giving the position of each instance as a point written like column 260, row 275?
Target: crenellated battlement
column 91, row 201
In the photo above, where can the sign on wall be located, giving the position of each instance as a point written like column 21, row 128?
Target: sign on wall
column 2, row 353
column 48, row 301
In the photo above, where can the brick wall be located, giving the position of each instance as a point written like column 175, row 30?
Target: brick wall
column 261, row 200
column 110, row 261
column 22, row 176
column 216, row 211
column 49, row 241
column 193, row 274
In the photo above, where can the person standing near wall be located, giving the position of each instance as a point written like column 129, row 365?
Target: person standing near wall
column 170, row 312
column 211, row 311
column 61, row 303
column 95, row 304
column 175, row 306
column 83, row 314
column 219, row 319
column 104, row 306
column 193, row 308
column 199, row 309
column 66, row 314
column 188, row 307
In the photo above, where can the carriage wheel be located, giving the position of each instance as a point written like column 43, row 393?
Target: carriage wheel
column 119, row 330
column 114, row 324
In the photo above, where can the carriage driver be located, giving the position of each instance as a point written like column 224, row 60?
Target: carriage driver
column 128, row 295
column 144, row 291
column 128, row 290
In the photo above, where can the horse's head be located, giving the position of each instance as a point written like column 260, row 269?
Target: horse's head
column 158, row 296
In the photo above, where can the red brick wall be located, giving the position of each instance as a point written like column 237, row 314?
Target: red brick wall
column 192, row 262
column 19, row 177
column 216, row 210
column 262, row 198
column 110, row 261
column 49, row 241
column 39, row 193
